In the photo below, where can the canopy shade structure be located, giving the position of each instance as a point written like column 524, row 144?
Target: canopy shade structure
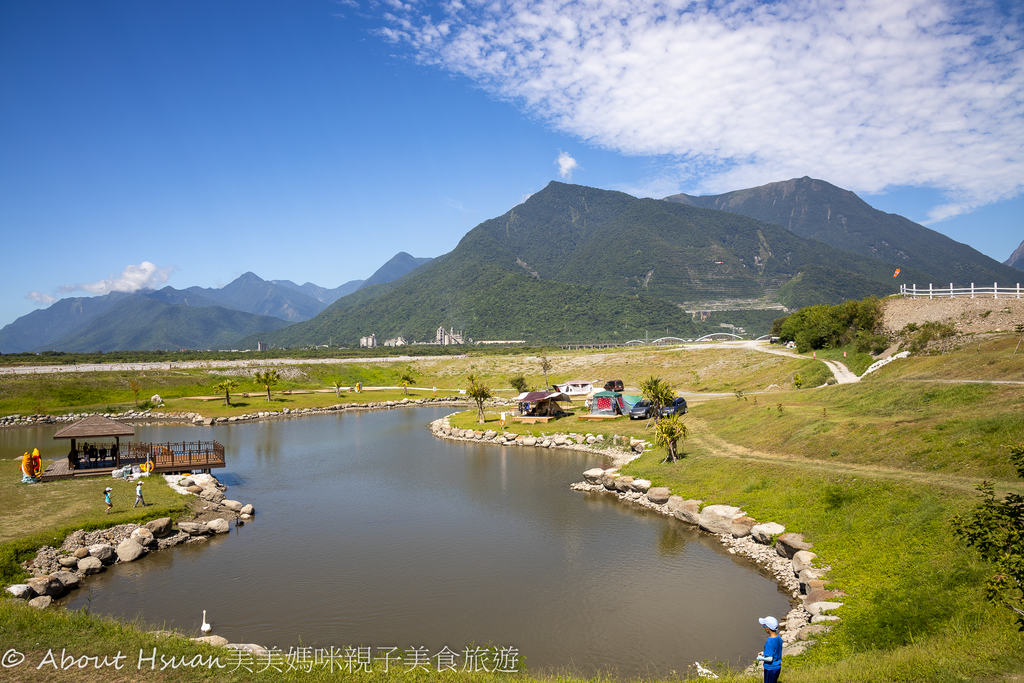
column 95, row 426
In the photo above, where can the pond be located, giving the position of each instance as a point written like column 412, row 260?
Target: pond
column 371, row 532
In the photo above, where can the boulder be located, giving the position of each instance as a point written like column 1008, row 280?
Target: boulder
column 212, row 494
column 218, row 526
column 247, row 510
column 42, row 602
column 530, row 441
column 802, row 560
column 622, row 484
column 47, row 585
column 790, row 544
column 22, row 591
column 717, row 519
column 81, row 552
column 819, row 595
column 811, row 631
column 823, row 618
column 641, row 485
column 741, row 526
column 794, row 650
column 143, row 537
column 102, row 552
column 688, row 511
column 490, row 434
column 216, row 641
column 194, row 489
column 559, row 439
column 90, row 565
column 608, row 480
column 763, row 533
column 659, row 495
column 807, row 576
column 593, row 476
column 130, row 550
column 816, row 608
column 232, row 505
column 160, row 527
column 193, row 528
column 68, row 561
column 69, row 579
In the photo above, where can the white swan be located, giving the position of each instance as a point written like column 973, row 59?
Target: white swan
column 205, row 628
column 704, row 673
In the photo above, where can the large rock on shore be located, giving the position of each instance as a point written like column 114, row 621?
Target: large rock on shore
column 211, row 494
column 90, row 565
column 593, row 476
column 248, row 509
column 218, row 526
column 129, row 550
column 717, row 519
column 69, row 579
column 623, row 484
column 22, row 591
column 102, row 552
column 143, row 537
column 790, row 544
column 659, row 495
column 741, row 526
column 160, row 527
column 688, row 511
column 763, row 533
column 193, row 528
column 47, row 585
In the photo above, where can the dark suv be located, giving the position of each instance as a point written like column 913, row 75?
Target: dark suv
column 676, row 407
column 614, row 385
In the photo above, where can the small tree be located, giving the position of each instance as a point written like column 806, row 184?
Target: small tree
column 668, row 431
column 545, row 365
column 406, row 379
column 518, row 383
column 338, row 386
column 266, row 379
column 996, row 529
column 479, row 393
column 135, row 386
column 1019, row 329
column 658, row 392
column 227, row 386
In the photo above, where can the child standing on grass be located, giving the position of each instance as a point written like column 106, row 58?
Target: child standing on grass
column 106, row 499
column 138, row 494
column 771, row 656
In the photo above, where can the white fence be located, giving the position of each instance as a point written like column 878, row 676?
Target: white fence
column 995, row 291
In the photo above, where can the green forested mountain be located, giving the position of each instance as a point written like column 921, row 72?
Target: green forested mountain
column 821, row 211
column 139, row 322
column 578, row 263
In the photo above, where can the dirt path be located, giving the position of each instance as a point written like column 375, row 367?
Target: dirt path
column 720, row 448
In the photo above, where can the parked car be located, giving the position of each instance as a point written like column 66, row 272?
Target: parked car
column 641, row 411
column 614, row 385
column 676, row 407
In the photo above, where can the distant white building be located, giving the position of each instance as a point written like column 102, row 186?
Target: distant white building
column 368, row 342
column 262, row 346
column 447, row 338
column 397, row 341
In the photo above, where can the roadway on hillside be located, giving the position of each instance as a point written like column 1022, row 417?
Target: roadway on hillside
column 200, row 364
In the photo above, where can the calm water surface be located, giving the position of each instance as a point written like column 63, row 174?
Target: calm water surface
column 369, row 531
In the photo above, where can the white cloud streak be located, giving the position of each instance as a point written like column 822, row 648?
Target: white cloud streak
column 566, row 165
column 143, row 276
column 867, row 94
column 40, row 298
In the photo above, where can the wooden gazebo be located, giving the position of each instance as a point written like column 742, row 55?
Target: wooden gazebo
column 100, row 459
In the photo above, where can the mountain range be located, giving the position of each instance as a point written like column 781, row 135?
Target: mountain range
column 170, row 318
column 571, row 263
column 1016, row 259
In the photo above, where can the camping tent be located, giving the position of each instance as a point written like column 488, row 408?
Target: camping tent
column 607, row 403
column 541, row 403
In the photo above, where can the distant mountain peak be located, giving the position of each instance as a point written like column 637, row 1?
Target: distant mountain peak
column 1016, row 259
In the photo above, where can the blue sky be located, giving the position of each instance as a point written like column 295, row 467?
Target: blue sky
column 187, row 142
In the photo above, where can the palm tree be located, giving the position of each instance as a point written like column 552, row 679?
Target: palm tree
column 406, row 379
column 479, row 393
column 658, row 392
column 668, row 432
column 227, row 386
column 338, row 386
column 266, row 379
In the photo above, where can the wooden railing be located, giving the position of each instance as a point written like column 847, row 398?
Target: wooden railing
column 183, row 454
column 995, row 291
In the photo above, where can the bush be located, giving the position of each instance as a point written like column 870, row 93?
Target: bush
column 831, row 327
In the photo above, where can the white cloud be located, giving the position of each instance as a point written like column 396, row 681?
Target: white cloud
column 143, row 276
column 867, row 94
column 566, row 165
column 40, row 298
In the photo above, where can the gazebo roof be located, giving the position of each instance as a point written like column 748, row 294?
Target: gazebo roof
column 95, row 426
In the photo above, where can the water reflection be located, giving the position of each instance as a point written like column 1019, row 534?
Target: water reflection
column 369, row 531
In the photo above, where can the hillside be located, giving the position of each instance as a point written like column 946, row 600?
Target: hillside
column 400, row 264
column 821, row 211
column 1016, row 259
column 140, row 322
column 575, row 263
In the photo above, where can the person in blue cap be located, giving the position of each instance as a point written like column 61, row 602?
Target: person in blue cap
column 771, row 656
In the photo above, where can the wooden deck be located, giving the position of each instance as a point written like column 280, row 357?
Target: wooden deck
column 599, row 417
column 167, row 458
column 531, row 419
